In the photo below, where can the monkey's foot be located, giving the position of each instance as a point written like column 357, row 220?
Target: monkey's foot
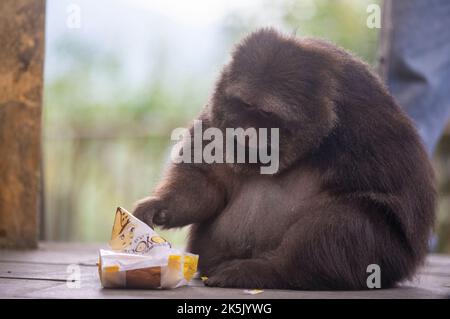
column 245, row 273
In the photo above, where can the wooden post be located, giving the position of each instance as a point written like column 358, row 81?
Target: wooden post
column 21, row 67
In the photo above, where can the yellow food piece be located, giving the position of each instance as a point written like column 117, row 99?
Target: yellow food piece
column 158, row 239
column 189, row 265
column 113, row 268
column 253, row 291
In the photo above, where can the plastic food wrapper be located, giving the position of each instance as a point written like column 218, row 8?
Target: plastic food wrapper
column 140, row 258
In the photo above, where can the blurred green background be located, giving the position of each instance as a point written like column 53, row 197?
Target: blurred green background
column 117, row 85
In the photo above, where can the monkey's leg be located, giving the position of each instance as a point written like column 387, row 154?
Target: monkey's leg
column 328, row 249
column 188, row 194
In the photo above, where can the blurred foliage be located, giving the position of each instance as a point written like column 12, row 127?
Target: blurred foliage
column 106, row 144
column 342, row 22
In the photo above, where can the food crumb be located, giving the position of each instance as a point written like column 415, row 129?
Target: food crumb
column 253, row 291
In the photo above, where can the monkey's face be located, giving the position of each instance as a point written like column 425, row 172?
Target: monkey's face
column 273, row 82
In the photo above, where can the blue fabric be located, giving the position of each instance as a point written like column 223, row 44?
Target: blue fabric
column 417, row 62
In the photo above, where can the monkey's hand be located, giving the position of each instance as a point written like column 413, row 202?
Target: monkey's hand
column 187, row 195
column 152, row 211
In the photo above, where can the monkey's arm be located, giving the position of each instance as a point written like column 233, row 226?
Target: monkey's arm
column 190, row 193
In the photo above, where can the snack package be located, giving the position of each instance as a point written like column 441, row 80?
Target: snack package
column 140, row 258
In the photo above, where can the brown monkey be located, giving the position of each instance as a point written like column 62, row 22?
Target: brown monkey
column 354, row 186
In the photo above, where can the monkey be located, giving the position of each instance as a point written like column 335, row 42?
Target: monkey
column 355, row 186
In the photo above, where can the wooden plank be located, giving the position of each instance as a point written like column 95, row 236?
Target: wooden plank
column 92, row 289
column 19, row 289
column 438, row 284
column 21, row 57
column 55, row 253
column 438, row 260
column 45, row 273
column 50, row 272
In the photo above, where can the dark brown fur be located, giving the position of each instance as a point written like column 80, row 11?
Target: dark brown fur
column 355, row 186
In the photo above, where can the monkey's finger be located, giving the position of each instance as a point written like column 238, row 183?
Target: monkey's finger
column 144, row 211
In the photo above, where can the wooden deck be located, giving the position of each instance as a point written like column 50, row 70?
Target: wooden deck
column 43, row 273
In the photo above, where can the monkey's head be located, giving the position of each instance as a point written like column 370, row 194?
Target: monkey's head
column 277, row 81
